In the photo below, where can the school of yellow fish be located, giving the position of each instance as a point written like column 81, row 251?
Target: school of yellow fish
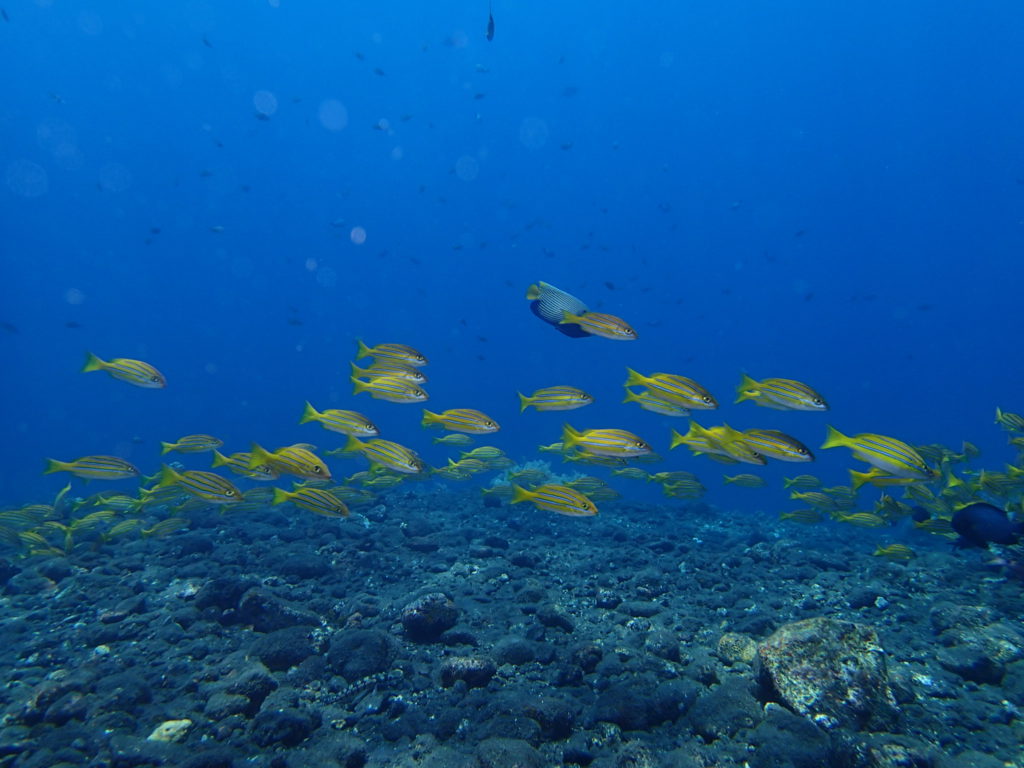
column 932, row 478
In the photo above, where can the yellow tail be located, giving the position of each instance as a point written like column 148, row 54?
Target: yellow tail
column 52, row 465
column 166, row 447
column 631, row 397
column 279, row 497
column 835, row 438
column 167, row 477
column 309, row 414
column 568, row 318
column 570, row 437
column 858, row 479
column 520, row 494
column 634, row 379
column 219, row 459
column 677, row 440
column 362, row 350
column 259, row 457
column 430, row 418
column 92, row 363
column 524, row 401
column 748, row 389
column 357, row 385
column 353, row 445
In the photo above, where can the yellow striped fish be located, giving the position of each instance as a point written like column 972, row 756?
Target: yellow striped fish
column 456, row 438
column 387, row 454
column 777, row 445
column 655, row 404
column 239, row 464
column 345, row 422
column 556, row 498
column 560, row 398
column 207, row 486
column 886, row 453
column 465, row 420
column 398, row 352
column 780, row 394
column 880, row 479
column 314, row 499
column 600, row 324
column 390, row 388
column 134, row 372
column 895, row 552
column 616, row 443
column 744, row 481
column 191, row 444
column 389, row 368
column 1011, row 422
column 679, row 390
column 295, row 460
column 801, row 482
column 94, row 468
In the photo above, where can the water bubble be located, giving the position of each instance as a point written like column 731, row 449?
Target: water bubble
column 27, row 179
column 467, row 168
column 311, row 265
column 265, row 102
column 74, row 296
column 114, row 177
column 533, row 133
column 333, row 115
column 357, row 235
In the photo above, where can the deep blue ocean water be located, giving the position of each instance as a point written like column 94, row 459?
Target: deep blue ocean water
column 825, row 193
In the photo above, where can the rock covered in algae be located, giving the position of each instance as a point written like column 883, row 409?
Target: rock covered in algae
column 831, row 671
column 170, row 730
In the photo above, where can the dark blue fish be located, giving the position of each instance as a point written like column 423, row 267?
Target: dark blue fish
column 550, row 304
column 490, row 23
column 982, row 524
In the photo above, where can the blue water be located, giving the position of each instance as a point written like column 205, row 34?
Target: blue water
column 792, row 189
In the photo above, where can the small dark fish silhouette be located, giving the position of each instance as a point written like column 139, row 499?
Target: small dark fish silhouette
column 4, row 14
column 490, row 23
column 9, row 327
column 206, row 42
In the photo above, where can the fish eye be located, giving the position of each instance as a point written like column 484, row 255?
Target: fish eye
column 706, row 399
column 639, row 443
column 229, row 493
column 802, row 451
column 318, row 470
column 818, row 401
column 154, row 379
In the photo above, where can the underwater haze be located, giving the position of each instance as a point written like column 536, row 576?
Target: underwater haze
column 237, row 193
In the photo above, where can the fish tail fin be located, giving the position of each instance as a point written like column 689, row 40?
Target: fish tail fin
column 362, row 350
column 728, row 480
column 309, row 413
column 787, row 482
column 569, row 318
column 631, row 397
column 570, row 437
column 677, row 440
column 357, row 371
column 357, row 385
column 533, row 292
column 279, row 497
column 219, row 459
column 520, row 494
column 353, row 445
column 167, row 476
column 857, row 479
column 524, row 401
column 430, row 418
column 634, row 379
column 92, row 363
column 52, row 465
column 259, row 456
column 166, row 447
column 834, row 438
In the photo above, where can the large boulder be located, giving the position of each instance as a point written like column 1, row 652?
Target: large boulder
column 831, row 671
